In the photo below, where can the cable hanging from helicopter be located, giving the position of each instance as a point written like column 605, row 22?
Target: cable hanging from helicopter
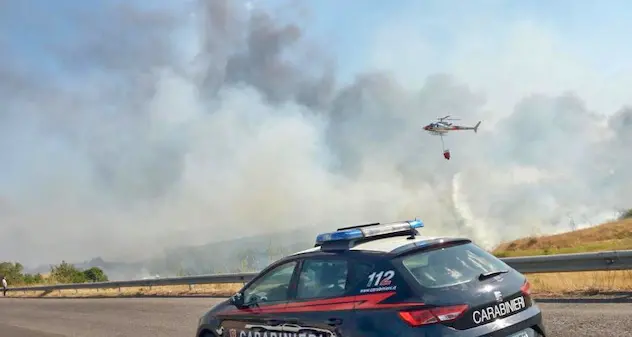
column 446, row 152
column 442, row 127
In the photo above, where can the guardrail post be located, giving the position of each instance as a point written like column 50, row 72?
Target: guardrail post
column 611, row 261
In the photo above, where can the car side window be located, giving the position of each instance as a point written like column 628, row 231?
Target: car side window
column 321, row 278
column 361, row 272
column 271, row 287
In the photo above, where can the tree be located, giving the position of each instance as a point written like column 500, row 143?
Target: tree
column 95, row 274
column 62, row 273
column 247, row 259
column 626, row 214
column 67, row 273
column 33, row 279
column 12, row 271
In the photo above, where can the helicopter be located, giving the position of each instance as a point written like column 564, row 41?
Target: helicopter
column 442, row 127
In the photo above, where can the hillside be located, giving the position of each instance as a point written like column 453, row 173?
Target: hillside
column 608, row 236
column 246, row 253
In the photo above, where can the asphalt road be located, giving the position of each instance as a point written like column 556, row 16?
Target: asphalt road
column 176, row 317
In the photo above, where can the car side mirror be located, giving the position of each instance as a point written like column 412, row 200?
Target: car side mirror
column 237, row 300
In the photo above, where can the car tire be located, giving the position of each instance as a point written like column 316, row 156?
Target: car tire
column 208, row 334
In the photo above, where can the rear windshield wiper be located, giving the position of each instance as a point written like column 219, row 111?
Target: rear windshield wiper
column 490, row 274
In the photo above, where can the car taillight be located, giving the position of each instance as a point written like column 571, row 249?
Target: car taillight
column 434, row 315
column 526, row 288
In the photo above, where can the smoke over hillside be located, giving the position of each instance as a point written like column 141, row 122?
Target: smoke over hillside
column 125, row 130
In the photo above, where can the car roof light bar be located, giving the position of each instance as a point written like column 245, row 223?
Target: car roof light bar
column 367, row 231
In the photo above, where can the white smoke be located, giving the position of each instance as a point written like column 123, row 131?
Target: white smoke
column 141, row 133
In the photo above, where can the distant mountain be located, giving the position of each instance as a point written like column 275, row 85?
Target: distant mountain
column 243, row 254
column 249, row 253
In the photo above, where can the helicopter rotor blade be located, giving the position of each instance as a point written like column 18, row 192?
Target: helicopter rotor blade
column 447, row 118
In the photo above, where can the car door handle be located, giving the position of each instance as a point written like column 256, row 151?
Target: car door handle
column 273, row 321
column 334, row 321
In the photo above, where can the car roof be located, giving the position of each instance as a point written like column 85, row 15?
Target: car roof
column 388, row 244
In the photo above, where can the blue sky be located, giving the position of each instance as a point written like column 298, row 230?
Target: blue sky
column 593, row 31
column 350, row 26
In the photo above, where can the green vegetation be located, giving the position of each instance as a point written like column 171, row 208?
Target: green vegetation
column 615, row 235
column 626, row 214
column 62, row 273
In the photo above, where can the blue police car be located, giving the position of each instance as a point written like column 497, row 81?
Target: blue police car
column 381, row 280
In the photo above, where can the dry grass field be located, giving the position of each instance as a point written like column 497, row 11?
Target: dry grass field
column 581, row 283
column 615, row 235
column 608, row 236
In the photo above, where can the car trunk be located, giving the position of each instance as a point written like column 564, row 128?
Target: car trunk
column 465, row 286
column 488, row 300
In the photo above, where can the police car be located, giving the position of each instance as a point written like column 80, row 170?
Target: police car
column 381, row 280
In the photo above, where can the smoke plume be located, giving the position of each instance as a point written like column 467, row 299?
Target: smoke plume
column 125, row 130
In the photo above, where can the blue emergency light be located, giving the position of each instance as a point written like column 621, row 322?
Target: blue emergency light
column 372, row 230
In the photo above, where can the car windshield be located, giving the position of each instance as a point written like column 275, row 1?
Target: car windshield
column 451, row 265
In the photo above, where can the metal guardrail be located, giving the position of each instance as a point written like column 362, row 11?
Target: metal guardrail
column 168, row 281
column 600, row 261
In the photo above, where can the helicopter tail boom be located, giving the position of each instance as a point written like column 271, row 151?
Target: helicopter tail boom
column 460, row 127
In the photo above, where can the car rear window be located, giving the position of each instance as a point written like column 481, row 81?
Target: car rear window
column 451, row 265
